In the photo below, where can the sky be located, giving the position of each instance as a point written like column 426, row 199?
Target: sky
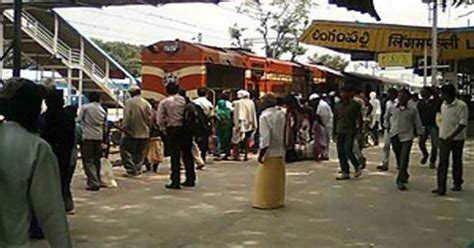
column 146, row 25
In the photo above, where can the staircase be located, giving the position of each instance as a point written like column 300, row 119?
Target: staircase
column 72, row 61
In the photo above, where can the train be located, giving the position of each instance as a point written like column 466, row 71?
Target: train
column 218, row 69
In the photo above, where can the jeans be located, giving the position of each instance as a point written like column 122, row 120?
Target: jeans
column 345, row 152
column 180, row 144
column 386, row 149
column 132, row 152
column 402, row 153
column 445, row 149
column 91, row 151
column 431, row 132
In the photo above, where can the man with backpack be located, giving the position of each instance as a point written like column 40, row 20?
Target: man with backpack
column 172, row 121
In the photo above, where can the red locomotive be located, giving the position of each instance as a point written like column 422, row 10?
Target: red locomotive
column 197, row 65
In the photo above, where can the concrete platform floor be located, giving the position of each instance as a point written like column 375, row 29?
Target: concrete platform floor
column 320, row 212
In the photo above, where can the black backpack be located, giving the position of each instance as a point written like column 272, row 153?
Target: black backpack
column 194, row 119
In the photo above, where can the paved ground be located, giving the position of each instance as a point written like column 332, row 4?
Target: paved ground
column 320, row 212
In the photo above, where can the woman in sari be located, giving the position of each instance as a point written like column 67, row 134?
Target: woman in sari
column 224, row 128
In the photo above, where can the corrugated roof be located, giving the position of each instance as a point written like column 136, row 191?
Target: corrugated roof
column 329, row 70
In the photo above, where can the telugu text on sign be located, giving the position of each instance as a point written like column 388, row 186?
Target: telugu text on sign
column 381, row 38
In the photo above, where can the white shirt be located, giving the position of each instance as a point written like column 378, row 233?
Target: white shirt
column 229, row 105
column 388, row 106
column 325, row 111
column 92, row 117
column 272, row 132
column 245, row 115
column 205, row 105
column 453, row 115
column 376, row 112
column 404, row 122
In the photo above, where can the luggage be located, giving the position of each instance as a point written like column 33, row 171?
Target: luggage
column 107, row 174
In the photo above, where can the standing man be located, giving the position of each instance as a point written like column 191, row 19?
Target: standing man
column 390, row 103
column 347, row 117
column 376, row 117
column 361, row 137
column 136, row 127
column 58, row 129
column 270, row 178
column 327, row 117
column 180, row 140
column 29, row 173
column 92, row 118
column 405, row 125
column 206, row 111
column 245, row 122
column 428, row 107
column 452, row 135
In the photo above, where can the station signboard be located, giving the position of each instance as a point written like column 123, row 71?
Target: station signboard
column 402, row 59
column 382, row 38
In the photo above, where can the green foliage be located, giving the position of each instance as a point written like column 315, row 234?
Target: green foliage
column 337, row 62
column 236, row 33
column 127, row 55
column 281, row 23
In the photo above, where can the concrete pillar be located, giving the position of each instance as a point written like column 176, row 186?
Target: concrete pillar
column 107, row 69
column 69, row 86
column 81, row 90
column 56, row 33
column 1, row 43
column 82, row 52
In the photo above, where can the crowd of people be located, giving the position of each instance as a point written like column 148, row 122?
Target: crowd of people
column 44, row 144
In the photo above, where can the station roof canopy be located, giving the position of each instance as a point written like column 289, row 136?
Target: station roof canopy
column 367, row 6
column 98, row 3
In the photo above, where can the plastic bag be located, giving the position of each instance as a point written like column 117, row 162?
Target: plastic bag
column 107, row 174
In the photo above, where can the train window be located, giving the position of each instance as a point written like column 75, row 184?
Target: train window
column 225, row 77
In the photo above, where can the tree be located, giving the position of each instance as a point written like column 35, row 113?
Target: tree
column 337, row 62
column 281, row 22
column 127, row 55
column 235, row 32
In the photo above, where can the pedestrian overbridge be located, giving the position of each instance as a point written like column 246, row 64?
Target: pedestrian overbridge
column 54, row 45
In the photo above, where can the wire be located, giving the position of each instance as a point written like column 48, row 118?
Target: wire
column 108, row 34
column 157, row 25
column 178, row 21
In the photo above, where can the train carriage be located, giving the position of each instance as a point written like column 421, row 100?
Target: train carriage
column 194, row 65
column 197, row 65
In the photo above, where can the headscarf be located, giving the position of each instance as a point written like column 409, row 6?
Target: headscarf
column 243, row 94
column 223, row 112
column 373, row 95
column 314, row 96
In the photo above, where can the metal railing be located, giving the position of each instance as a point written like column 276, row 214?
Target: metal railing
column 69, row 56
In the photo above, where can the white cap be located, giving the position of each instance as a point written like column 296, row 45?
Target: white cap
column 313, row 97
column 243, row 94
column 133, row 88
